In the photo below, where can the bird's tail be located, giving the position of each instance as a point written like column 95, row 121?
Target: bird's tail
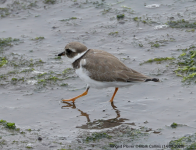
column 153, row 79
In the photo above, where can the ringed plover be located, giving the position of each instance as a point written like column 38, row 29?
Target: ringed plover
column 100, row 69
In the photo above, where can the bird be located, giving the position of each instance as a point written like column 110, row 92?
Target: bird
column 100, row 69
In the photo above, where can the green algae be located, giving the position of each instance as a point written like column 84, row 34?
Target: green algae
column 49, row 78
column 57, row 57
column 97, row 136
column 7, row 41
column 191, row 147
column 190, row 76
column 125, row 7
column 25, row 70
column 49, row 1
column 29, row 130
column 28, row 70
column 113, row 33
column 185, row 142
column 191, row 30
column 53, row 78
column 155, row 45
column 4, row 12
column 38, row 38
column 106, row 10
column 3, row 61
column 32, row 4
column 3, row 142
column 174, row 144
column 136, row 18
column 3, row 121
column 120, row 16
column 107, row 139
column 14, row 79
column 160, row 59
column 99, row 4
column 41, row 75
column 181, row 24
column 72, row 18
column 187, row 63
column 159, row 43
column 8, row 125
column 144, row 20
column 41, row 80
column 162, row 42
column 141, row 45
column 64, row 84
column 29, row 147
column 174, row 125
column 67, row 70
column 20, row 61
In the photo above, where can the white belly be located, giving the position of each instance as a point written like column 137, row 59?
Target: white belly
column 83, row 74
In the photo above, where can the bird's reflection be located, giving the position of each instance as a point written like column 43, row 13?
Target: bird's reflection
column 73, row 106
column 116, row 110
column 99, row 124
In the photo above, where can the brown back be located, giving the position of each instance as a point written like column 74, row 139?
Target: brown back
column 103, row 66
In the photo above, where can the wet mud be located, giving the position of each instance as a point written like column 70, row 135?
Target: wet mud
column 155, row 38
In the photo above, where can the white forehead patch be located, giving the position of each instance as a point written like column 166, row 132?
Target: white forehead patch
column 73, row 50
column 78, row 56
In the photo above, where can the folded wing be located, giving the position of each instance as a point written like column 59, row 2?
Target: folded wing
column 104, row 66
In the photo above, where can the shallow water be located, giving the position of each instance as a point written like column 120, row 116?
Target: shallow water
column 160, row 104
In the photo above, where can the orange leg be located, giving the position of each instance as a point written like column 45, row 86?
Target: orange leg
column 116, row 89
column 73, row 99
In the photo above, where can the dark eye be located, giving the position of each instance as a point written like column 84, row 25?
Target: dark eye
column 68, row 51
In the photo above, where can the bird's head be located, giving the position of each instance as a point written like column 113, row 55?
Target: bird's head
column 74, row 50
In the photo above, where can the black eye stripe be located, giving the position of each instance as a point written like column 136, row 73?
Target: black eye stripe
column 68, row 51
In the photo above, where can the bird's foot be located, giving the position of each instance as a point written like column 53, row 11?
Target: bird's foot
column 68, row 100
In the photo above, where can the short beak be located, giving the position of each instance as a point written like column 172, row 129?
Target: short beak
column 61, row 54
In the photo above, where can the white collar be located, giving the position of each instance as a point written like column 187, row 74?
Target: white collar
column 79, row 55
